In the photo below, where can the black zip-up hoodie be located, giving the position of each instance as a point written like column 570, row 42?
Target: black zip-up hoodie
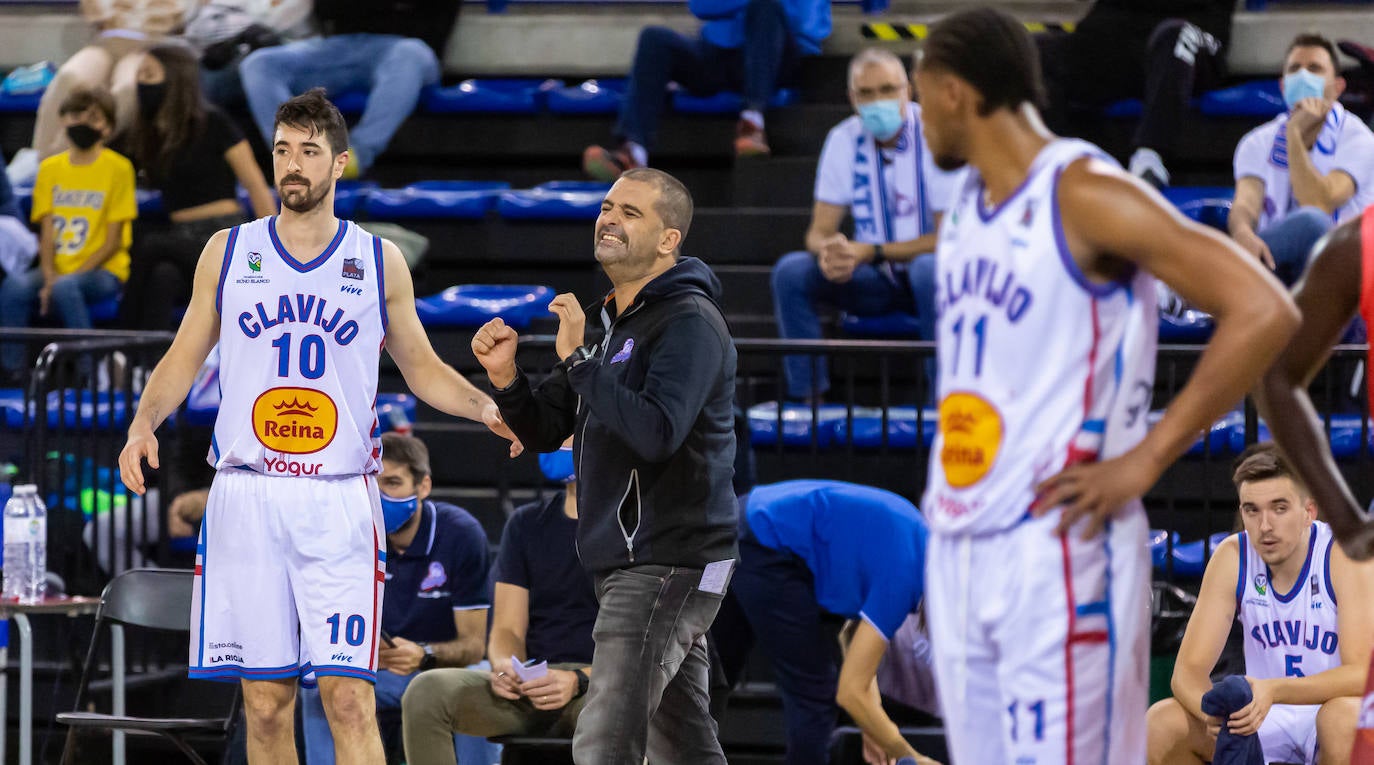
column 653, row 415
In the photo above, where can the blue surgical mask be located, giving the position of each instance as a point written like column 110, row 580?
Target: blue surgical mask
column 395, row 512
column 1302, row 84
column 558, row 466
column 883, row 118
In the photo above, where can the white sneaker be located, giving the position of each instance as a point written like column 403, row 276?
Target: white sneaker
column 23, row 168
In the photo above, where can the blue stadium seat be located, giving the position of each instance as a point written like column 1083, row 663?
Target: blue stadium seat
column 1181, row 195
column 906, row 427
column 726, row 103
column 1190, row 558
column 12, row 408
column 1221, row 437
column 797, row 428
column 105, row 311
column 1159, row 546
column 556, row 200
column 453, row 200
column 1258, row 98
column 149, row 203
column 888, row 325
column 1191, row 327
column 590, row 97
column 1126, row 108
column 498, row 96
column 1344, row 436
column 77, row 409
column 472, row 305
column 350, row 101
column 20, row 103
column 1211, row 212
column 395, row 411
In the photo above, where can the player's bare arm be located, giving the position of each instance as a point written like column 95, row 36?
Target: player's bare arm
column 1208, row 627
column 434, row 381
column 1327, row 298
column 174, row 373
column 1112, row 223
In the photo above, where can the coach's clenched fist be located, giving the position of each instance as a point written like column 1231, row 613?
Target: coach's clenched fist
column 494, row 346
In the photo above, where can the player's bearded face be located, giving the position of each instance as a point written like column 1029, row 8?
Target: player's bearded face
column 300, row 194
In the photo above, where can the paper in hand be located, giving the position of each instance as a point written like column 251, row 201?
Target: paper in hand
column 529, row 672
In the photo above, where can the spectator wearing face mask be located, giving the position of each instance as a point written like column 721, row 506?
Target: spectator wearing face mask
column 83, row 201
column 435, row 610
column 196, row 156
column 876, row 169
column 1305, row 170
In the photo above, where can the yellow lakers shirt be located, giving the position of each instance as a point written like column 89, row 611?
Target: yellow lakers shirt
column 84, row 200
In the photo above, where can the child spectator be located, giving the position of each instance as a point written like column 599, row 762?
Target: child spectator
column 83, row 200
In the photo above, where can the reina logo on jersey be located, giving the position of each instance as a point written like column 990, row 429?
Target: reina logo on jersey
column 295, row 420
column 970, row 438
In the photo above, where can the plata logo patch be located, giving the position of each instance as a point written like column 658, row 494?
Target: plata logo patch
column 624, row 353
column 1261, row 584
column 353, row 268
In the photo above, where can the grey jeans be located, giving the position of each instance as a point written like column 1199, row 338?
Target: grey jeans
column 650, row 688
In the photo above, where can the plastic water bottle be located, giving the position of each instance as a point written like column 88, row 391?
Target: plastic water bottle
column 26, row 545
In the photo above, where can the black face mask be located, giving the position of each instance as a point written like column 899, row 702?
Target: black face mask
column 82, row 136
column 150, row 98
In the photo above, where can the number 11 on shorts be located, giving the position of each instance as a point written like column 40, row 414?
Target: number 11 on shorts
column 355, row 628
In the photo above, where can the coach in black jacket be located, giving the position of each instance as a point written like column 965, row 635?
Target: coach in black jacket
column 652, row 409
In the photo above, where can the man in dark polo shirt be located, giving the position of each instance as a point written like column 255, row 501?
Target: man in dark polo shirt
column 434, row 613
column 544, row 611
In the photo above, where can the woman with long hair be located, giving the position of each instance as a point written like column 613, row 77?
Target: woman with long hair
column 194, row 154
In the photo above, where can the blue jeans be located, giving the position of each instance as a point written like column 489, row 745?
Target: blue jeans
column 799, row 288
column 1291, row 238
column 70, row 296
column 391, row 68
column 651, row 690
column 319, row 742
column 663, row 56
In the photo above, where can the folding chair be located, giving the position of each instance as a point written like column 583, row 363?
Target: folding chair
column 151, row 599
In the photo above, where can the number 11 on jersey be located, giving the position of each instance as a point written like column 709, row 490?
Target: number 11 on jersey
column 978, row 329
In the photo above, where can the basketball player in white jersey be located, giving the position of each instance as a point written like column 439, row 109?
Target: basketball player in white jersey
column 1038, row 573
column 291, row 557
column 1307, row 616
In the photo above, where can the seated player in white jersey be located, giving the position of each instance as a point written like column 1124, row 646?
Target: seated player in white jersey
column 1307, row 616
column 291, row 556
column 1038, row 594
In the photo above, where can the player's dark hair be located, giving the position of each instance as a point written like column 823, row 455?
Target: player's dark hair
column 81, row 99
column 990, row 50
column 1261, row 462
column 408, row 451
column 1314, row 40
column 674, row 203
column 312, row 112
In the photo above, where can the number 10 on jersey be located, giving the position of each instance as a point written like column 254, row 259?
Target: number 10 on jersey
column 309, row 357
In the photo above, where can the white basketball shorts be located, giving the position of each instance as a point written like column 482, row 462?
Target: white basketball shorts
column 1289, row 733
column 1042, row 642
column 289, row 576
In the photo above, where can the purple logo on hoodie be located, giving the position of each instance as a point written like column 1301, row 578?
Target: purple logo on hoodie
column 624, row 353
